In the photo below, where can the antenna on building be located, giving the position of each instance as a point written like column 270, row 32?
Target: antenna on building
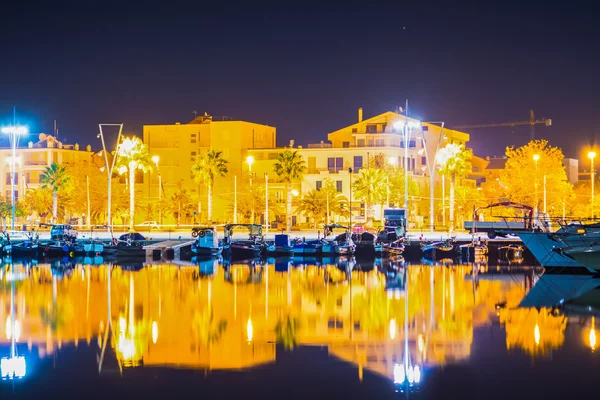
column 55, row 130
column 195, row 114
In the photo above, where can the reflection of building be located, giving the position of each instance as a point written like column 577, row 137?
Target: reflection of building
column 34, row 158
column 166, row 315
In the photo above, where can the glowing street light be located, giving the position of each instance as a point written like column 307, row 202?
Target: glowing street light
column 591, row 155
column 14, row 132
column 536, row 158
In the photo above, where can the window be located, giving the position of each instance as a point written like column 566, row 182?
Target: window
column 412, row 143
column 193, row 138
column 413, row 162
column 193, row 156
column 8, row 179
column 354, row 130
column 358, row 163
column 371, row 128
column 423, row 160
column 338, row 186
column 345, row 145
column 379, row 143
column 319, row 185
column 335, row 164
column 475, row 169
column 272, row 156
column 361, row 143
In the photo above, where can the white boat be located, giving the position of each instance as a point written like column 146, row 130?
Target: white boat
column 587, row 255
column 548, row 247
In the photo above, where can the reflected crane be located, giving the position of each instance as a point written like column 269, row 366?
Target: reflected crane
column 532, row 123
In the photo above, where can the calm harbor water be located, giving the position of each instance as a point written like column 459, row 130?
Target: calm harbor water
column 295, row 328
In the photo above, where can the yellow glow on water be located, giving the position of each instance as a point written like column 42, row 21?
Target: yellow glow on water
column 420, row 343
column 122, row 324
column 8, row 328
column 536, row 334
column 154, row 332
column 17, row 331
column 392, row 329
column 593, row 335
column 249, row 330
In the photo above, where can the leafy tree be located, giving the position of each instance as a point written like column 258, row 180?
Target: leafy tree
column 314, row 206
column 181, row 203
column 523, row 176
column 396, row 184
column 454, row 162
column 371, row 187
column 289, row 167
column 210, row 165
column 38, row 201
column 56, row 178
column 132, row 156
column 467, row 199
column 6, row 210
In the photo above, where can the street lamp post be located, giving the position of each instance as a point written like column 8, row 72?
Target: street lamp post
column 536, row 158
column 235, row 199
column 431, row 161
column 109, row 168
column 591, row 156
column 250, row 161
column 350, row 200
column 266, row 202
column 14, row 132
column 156, row 159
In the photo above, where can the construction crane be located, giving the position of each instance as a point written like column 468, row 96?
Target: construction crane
column 532, row 123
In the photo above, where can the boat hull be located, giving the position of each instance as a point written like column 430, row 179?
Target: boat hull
column 544, row 248
column 207, row 251
column 590, row 258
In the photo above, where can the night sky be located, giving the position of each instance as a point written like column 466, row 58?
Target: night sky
column 305, row 69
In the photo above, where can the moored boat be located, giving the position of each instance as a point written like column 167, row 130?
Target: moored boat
column 281, row 247
column 512, row 253
column 252, row 247
column 342, row 244
column 439, row 250
column 207, row 243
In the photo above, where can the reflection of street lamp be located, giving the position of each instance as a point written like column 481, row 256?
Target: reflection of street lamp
column 591, row 155
column 156, row 159
column 392, row 328
column 250, row 161
column 350, row 200
column 14, row 132
column 536, row 158
column 249, row 330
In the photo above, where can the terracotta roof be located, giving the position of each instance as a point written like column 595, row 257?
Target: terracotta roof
column 497, row 163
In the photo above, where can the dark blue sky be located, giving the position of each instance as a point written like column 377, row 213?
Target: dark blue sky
column 305, row 69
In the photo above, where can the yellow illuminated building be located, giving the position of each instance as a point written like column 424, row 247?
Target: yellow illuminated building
column 177, row 146
column 33, row 157
column 353, row 147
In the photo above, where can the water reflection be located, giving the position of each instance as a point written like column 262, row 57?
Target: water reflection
column 387, row 317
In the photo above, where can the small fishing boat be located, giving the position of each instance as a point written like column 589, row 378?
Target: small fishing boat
column 127, row 245
column 342, row 244
column 438, row 250
column 395, row 248
column 207, row 243
column 63, row 238
column 308, row 248
column 281, row 247
column 245, row 248
column 512, row 254
column 367, row 245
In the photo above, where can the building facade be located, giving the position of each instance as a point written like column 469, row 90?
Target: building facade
column 177, row 146
column 33, row 159
column 353, row 147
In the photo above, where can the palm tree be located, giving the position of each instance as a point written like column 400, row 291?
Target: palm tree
column 208, row 166
column 314, row 205
column 181, row 203
column 56, row 178
column 454, row 161
column 289, row 167
column 370, row 186
column 132, row 156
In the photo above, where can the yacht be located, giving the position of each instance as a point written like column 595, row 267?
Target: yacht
column 551, row 248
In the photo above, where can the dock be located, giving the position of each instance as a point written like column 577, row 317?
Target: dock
column 168, row 249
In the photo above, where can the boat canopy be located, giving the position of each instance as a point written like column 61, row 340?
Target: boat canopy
column 528, row 221
column 328, row 228
column 255, row 229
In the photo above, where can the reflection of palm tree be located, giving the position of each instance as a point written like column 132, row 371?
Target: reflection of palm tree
column 286, row 332
column 206, row 329
column 52, row 317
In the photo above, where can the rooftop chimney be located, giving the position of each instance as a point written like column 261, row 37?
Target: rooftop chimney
column 292, row 143
column 360, row 114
